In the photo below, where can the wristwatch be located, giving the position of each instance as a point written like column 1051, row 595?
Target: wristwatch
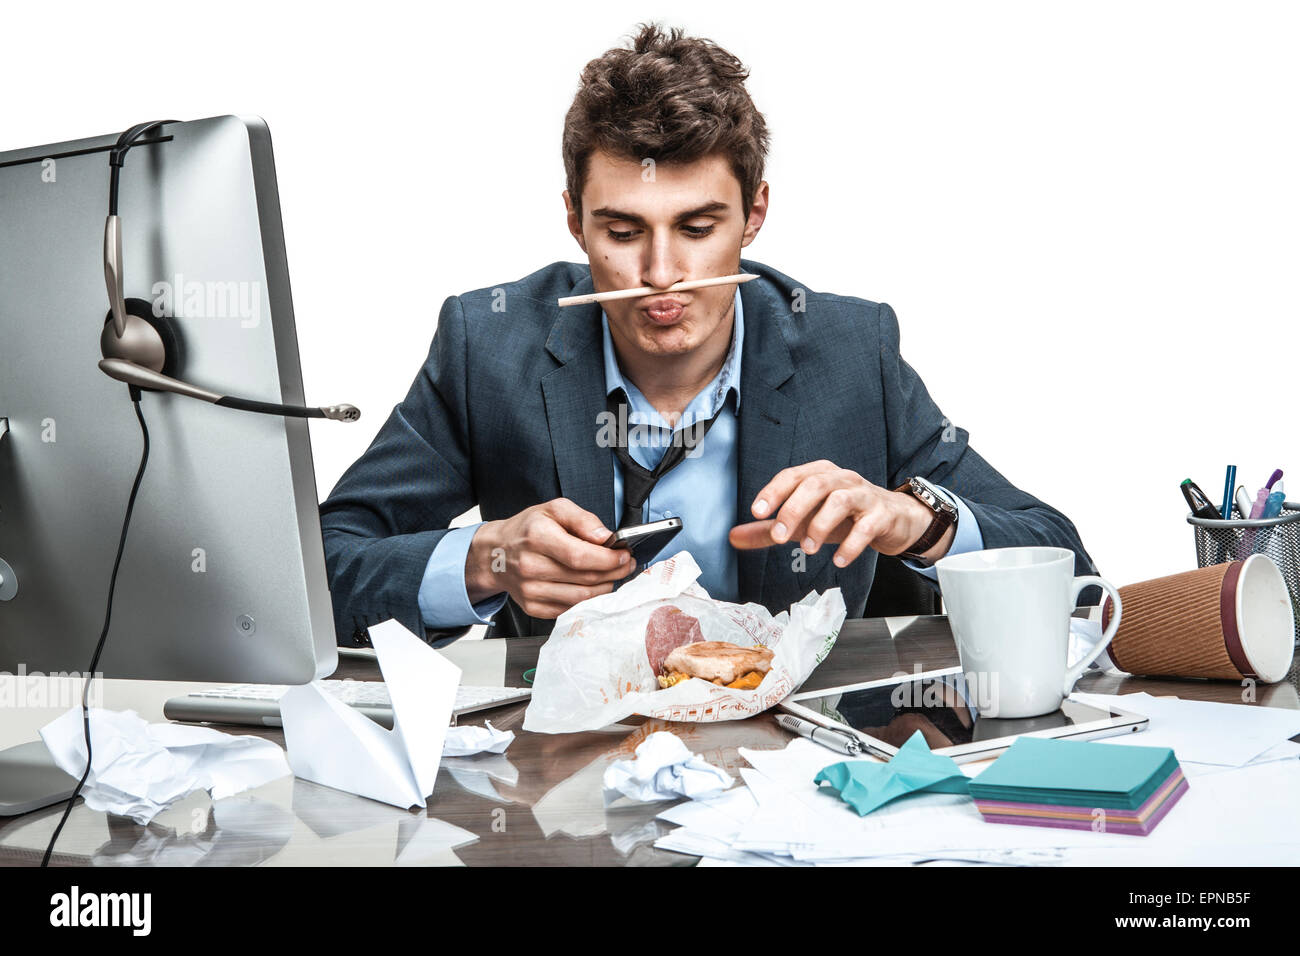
column 945, row 516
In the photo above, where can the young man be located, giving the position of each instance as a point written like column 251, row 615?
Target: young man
column 820, row 439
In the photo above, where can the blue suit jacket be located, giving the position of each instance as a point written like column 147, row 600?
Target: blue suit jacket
column 503, row 415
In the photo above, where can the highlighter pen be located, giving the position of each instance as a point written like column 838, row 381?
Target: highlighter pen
column 1261, row 502
column 1275, row 501
column 1197, row 501
column 1229, row 480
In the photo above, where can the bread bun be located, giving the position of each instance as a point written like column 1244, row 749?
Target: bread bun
column 718, row 661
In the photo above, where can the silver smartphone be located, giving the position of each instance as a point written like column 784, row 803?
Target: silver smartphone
column 645, row 541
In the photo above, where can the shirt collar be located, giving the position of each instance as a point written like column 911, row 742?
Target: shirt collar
column 715, row 393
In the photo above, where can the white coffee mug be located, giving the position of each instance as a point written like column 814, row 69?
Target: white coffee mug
column 1009, row 609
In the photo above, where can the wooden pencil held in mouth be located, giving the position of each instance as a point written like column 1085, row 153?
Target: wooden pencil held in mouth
column 648, row 290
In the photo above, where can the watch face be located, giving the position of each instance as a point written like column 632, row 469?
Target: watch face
column 942, row 501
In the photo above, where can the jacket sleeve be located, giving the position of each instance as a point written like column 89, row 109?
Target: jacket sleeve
column 390, row 509
column 923, row 442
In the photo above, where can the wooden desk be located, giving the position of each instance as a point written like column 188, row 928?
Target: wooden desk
column 539, row 803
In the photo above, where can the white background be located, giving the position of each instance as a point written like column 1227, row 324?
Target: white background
column 1085, row 214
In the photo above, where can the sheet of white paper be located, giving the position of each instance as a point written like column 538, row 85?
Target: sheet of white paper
column 332, row 744
column 664, row 769
column 140, row 768
column 1202, row 731
column 470, row 740
column 1286, row 750
column 719, row 817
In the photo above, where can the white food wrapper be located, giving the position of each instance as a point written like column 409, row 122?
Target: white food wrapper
column 595, row 669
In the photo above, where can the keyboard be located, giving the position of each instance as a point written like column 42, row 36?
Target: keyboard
column 259, row 704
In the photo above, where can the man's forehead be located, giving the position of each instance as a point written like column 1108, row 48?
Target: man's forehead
column 623, row 184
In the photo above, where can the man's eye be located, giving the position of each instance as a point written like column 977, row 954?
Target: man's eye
column 698, row 232
column 622, row 236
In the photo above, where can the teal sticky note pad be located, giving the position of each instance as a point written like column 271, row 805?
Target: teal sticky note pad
column 1075, row 772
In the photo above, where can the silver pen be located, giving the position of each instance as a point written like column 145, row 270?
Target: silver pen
column 836, row 740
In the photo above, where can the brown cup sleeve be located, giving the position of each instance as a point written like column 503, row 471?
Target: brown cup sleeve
column 1182, row 625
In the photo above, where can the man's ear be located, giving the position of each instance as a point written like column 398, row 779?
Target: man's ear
column 757, row 213
column 574, row 221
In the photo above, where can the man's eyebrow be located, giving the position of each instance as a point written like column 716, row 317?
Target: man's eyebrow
column 607, row 212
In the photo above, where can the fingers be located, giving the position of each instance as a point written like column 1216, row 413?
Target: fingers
column 779, row 488
column 558, row 558
column 577, row 520
column 865, row 530
column 542, row 567
column 836, row 520
column 574, row 553
column 754, row 534
column 574, row 538
column 833, row 521
column 550, row 599
column 799, row 507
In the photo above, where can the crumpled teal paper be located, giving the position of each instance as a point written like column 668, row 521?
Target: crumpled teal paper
column 865, row 785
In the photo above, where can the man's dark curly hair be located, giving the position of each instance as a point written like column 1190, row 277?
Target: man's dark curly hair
column 670, row 98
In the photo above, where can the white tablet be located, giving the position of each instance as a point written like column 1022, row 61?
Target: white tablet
column 943, row 705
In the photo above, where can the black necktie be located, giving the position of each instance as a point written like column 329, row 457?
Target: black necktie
column 638, row 482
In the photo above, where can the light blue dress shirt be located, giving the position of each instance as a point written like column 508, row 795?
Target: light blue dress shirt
column 701, row 490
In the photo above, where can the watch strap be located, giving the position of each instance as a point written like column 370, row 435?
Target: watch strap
column 939, row 525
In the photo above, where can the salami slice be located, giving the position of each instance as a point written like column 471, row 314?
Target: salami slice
column 669, row 628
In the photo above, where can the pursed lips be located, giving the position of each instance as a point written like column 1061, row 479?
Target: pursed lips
column 663, row 309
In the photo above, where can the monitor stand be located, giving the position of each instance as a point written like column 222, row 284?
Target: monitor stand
column 30, row 779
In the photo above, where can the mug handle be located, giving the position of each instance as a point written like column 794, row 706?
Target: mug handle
column 1072, row 674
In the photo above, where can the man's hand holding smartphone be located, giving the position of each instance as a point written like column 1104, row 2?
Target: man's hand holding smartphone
column 548, row 558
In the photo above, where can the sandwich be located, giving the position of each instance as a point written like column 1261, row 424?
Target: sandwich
column 719, row 662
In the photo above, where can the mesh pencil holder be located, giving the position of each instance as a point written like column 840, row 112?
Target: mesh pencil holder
column 1219, row 541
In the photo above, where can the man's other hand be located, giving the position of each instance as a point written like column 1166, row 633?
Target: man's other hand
column 548, row 558
column 821, row 503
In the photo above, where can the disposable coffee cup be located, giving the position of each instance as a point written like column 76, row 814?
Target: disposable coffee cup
column 1229, row 621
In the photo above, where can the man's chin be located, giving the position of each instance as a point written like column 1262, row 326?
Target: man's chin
column 666, row 340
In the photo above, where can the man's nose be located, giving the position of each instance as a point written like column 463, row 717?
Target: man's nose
column 664, row 268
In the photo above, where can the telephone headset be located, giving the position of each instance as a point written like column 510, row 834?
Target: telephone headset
column 144, row 351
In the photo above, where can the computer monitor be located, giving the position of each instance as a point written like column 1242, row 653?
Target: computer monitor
column 223, row 577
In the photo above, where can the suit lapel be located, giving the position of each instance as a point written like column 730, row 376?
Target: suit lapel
column 575, row 398
column 767, row 427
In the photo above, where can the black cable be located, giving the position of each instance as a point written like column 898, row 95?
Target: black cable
column 108, row 614
column 117, row 156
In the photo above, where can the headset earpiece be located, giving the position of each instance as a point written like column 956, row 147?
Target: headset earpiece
column 150, row 341
column 148, row 354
